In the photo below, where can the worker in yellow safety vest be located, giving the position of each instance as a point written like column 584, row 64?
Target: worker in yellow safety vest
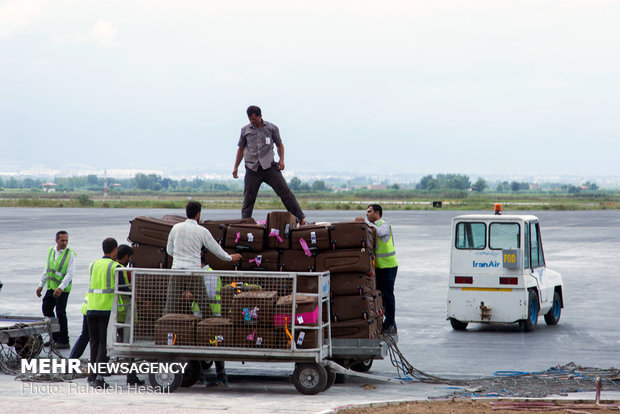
column 99, row 305
column 58, row 277
column 386, row 265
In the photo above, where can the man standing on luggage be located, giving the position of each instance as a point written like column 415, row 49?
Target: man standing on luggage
column 99, row 306
column 386, row 265
column 256, row 146
column 58, row 275
column 185, row 243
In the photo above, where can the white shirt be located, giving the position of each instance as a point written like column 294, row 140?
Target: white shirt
column 70, row 268
column 185, row 243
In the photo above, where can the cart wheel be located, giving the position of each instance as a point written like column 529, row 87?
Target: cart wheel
column 362, row 366
column 458, row 325
column 191, row 374
column 309, row 379
column 331, row 379
column 166, row 381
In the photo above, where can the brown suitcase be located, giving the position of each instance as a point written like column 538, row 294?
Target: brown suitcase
column 296, row 261
column 173, row 218
column 216, row 263
column 339, row 261
column 245, row 237
column 151, row 257
column 256, row 336
column 254, row 308
column 215, row 332
column 352, row 234
column 181, row 326
column 355, row 329
column 306, row 311
column 307, row 284
column 316, row 238
column 230, row 289
column 349, row 284
column 306, row 338
column 279, row 226
column 265, row 260
column 217, row 230
column 150, row 230
column 346, row 308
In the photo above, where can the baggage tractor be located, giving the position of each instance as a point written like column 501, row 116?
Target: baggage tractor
column 215, row 332
column 150, row 230
column 355, row 329
column 177, row 328
column 348, row 284
column 245, row 237
column 316, row 238
column 150, row 257
column 279, row 226
column 216, row 263
column 352, row 234
column 346, row 308
column 254, row 308
column 296, row 261
column 265, row 260
column 339, row 261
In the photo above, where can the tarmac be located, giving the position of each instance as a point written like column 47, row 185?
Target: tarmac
column 582, row 246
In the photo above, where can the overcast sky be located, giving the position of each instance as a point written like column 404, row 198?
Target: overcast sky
column 420, row 87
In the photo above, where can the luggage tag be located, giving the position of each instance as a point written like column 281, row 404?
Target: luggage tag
column 300, row 319
column 313, row 237
column 259, row 340
column 250, row 237
column 300, row 338
column 276, row 233
column 258, row 260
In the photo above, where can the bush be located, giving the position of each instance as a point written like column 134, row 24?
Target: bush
column 85, row 201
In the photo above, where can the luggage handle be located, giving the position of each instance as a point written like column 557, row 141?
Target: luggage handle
column 241, row 248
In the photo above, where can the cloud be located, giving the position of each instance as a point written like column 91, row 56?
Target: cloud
column 18, row 15
column 102, row 33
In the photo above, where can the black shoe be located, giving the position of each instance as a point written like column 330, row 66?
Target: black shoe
column 101, row 384
column 390, row 330
column 90, row 380
column 63, row 346
column 220, row 381
column 134, row 380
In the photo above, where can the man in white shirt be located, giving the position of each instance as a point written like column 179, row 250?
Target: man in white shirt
column 58, row 275
column 185, row 243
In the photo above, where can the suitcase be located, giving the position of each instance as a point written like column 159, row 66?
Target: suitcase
column 306, row 311
column 316, row 238
column 230, row 289
column 265, row 260
column 181, row 326
column 150, row 230
column 215, row 332
column 349, row 284
column 217, row 230
column 355, row 329
column 245, row 237
column 279, row 227
column 255, row 336
column 306, row 338
column 296, row 261
column 346, row 308
column 339, row 261
column 351, row 235
column 216, row 263
column 307, row 284
column 151, row 257
column 254, row 308
column 173, row 218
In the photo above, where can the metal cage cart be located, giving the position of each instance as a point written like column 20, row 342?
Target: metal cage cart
column 192, row 315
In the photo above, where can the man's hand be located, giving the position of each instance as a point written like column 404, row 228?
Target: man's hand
column 39, row 289
column 57, row 292
column 360, row 218
column 235, row 173
column 281, row 164
column 235, row 257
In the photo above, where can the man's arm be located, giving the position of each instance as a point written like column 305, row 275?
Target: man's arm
column 170, row 244
column 68, row 277
column 383, row 231
column 214, row 247
column 280, row 147
column 238, row 159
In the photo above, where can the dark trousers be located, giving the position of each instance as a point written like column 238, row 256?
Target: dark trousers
column 80, row 344
column 273, row 177
column 385, row 283
column 97, row 330
column 60, row 303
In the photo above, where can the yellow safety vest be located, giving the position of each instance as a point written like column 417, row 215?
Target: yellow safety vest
column 101, row 290
column 385, row 254
column 57, row 269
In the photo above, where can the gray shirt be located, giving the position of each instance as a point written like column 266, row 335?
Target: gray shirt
column 258, row 144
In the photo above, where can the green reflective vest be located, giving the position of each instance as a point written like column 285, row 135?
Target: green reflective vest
column 57, row 269
column 124, row 301
column 85, row 304
column 101, row 289
column 385, row 254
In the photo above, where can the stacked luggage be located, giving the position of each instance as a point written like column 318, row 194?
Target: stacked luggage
column 345, row 249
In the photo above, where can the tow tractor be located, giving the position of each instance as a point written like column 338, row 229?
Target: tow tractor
column 498, row 273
